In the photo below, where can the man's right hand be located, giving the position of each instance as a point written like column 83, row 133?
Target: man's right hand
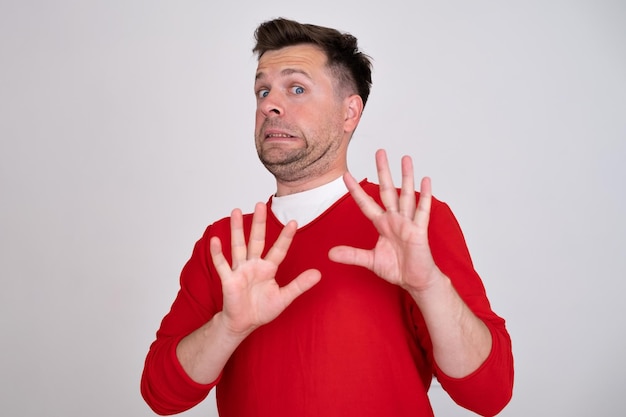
column 252, row 296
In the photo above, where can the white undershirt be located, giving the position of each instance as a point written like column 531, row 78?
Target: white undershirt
column 305, row 206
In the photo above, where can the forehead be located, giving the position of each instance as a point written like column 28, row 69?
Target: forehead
column 307, row 58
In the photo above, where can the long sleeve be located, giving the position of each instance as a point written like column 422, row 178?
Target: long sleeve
column 488, row 389
column 352, row 345
column 165, row 386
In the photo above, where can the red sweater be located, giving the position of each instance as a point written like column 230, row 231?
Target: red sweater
column 353, row 345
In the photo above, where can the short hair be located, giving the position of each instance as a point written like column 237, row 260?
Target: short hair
column 352, row 67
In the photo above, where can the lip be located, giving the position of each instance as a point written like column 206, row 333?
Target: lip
column 275, row 134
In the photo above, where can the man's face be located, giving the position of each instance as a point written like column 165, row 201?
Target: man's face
column 299, row 131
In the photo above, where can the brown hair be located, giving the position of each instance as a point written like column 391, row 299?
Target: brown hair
column 352, row 67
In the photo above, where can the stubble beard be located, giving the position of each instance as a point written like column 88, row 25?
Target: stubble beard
column 296, row 164
column 291, row 165
column 319, row 152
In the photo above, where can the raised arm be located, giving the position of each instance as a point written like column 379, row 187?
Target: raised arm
column 251, row 296
column 402, row 256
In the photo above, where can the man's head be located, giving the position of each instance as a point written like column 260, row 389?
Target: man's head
column 351, row 67
column 311, row 85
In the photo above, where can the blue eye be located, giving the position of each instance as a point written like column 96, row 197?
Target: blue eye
column 298, row 90
column 262, row 93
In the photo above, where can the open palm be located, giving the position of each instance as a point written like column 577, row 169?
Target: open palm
column 252, row 297
column 402, row 253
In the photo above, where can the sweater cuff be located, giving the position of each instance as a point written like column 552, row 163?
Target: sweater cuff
column 183, row 378
column 477, row 374
column 493, row 379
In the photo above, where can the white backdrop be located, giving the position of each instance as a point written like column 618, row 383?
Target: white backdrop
column 126, row 128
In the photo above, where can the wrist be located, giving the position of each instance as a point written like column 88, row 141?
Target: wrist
column 226, row 330
column 426, row 284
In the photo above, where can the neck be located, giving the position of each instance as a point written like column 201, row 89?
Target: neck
column 292, row 187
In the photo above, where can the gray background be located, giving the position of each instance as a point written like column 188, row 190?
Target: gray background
column 126, row 127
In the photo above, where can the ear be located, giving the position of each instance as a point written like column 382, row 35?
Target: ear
column 353, row 107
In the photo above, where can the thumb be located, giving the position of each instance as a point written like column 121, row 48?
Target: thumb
column 352, row 256
column 302, row 283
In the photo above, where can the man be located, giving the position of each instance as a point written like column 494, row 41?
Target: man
column 336, row 298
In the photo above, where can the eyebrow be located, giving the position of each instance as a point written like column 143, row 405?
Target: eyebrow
column 285, row 72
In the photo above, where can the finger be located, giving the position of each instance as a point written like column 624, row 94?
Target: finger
column 256, row 243
column 278, row 251
column 388, row 192
column 352, row 256
column 368, row 206
column 219, row 261
column 237, row 239
column 302, row 283
column 422, row 214
column 407, row 194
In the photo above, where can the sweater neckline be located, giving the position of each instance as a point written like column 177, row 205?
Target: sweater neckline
column 305, row 206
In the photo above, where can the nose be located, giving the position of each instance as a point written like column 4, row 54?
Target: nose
column 271, row 105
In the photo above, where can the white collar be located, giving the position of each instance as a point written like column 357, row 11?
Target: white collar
column 305, row 206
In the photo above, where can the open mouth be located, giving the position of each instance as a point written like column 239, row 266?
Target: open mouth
column 278, row 136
